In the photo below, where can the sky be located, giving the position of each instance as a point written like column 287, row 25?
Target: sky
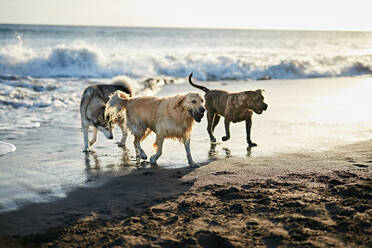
column 241, row 14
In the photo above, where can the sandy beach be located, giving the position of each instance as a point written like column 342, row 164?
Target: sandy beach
column 307, row 184
column 313, row 199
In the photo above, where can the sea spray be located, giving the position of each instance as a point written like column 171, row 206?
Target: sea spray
column 213, row 55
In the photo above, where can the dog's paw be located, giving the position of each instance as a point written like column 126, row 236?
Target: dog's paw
column 153, row 161
column 121, row 144
column 224, row 138
column 87, row 149
column 252, row 144
column 143, row 156
column 213, row 139
column 194, row 165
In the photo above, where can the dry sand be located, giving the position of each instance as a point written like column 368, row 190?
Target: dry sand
column 320, row 199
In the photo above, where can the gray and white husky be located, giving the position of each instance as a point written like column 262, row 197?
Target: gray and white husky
column 92, row 109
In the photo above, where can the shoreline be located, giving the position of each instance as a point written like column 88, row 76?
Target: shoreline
column 48, row 161
column 308, row 198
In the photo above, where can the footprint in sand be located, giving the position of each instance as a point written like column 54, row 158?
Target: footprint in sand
column 351, row 160
column 360, row 165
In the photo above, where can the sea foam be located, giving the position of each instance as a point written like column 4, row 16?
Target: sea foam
column 6, row 148
column 84, row 60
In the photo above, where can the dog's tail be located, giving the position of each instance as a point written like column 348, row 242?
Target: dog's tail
column 118, row 100
column 205, row 89
column 127, row 84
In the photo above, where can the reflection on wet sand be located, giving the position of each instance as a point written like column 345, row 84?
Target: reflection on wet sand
column 249, row 151
column 213, row 154
column 227, row 152
column 92, row 169
column 88, row 165
column 212, row 151
column 125, row 159
column 98, row 165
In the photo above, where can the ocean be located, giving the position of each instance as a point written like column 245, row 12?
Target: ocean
column 317, row 84
column 104, row 52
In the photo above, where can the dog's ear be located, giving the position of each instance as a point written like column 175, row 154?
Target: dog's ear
column 257, row 94
column 179, row 103
column 100, row 118
column 260, row 91
column 101, row 114
column 97, row 111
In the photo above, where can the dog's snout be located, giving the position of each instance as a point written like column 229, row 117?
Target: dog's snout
column 265, row 106
column 202, row 110
column 110, row 137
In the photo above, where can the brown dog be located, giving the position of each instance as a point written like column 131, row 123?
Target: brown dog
column 235, row 107
column 168, row 117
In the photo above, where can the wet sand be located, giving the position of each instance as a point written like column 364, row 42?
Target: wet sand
column 48, row 161
column 312, row 199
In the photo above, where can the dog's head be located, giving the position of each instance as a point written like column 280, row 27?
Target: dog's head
column 193, row 104
column 103, row 124
column 255, row 101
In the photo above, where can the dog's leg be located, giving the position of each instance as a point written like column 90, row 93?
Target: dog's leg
column 210, row 118
column 227, row 130
column 139, row 151
column 124, row 131
column 138, row 158
column 85, row 133
column 94, row 138
column 159, row 144
column 248, row 126
column 188, row 153
column 216, row 119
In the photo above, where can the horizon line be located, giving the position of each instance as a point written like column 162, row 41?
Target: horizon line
column 185, row 27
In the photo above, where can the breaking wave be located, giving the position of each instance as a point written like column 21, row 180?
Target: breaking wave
column 88, row 61
column 6, row 148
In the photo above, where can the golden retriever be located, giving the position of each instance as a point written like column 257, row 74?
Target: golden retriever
column 168, row 117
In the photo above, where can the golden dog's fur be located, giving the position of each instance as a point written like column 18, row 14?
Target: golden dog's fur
column 168, row 117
